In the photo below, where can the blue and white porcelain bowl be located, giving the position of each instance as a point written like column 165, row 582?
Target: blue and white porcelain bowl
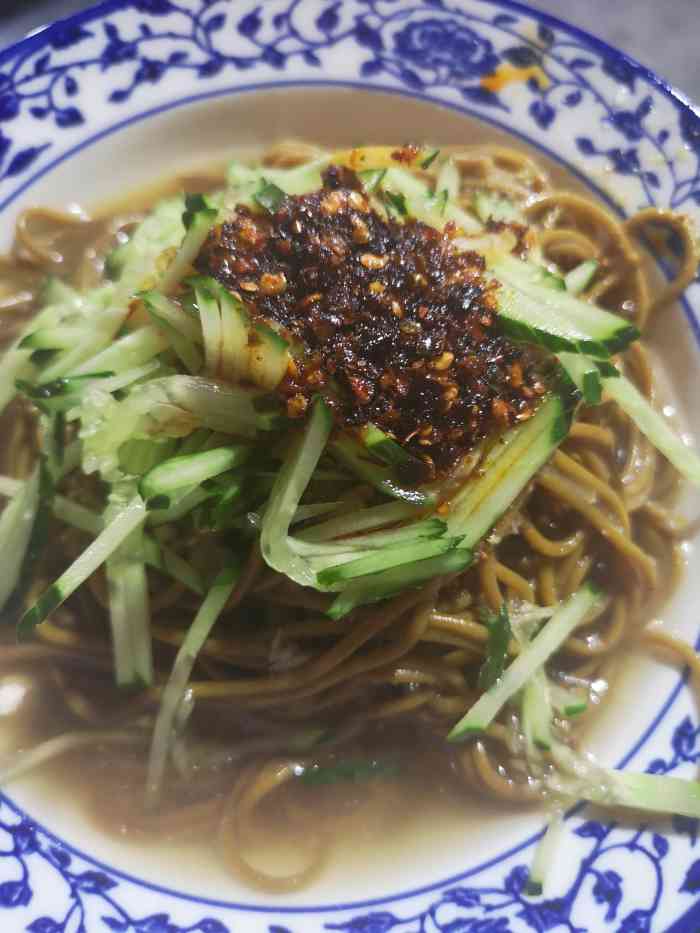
column 131, row 90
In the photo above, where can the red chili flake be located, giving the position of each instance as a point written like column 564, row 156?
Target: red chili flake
column 396, row 326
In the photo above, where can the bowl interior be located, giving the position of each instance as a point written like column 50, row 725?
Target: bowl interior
column 149, row 150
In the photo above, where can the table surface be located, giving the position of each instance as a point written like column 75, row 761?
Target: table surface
column 662, row 34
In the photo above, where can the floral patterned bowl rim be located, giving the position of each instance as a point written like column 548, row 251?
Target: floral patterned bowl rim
column 615, row 124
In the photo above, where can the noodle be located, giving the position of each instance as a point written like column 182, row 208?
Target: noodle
column 275, row 664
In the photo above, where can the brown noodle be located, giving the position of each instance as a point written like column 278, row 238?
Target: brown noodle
column 599, row 507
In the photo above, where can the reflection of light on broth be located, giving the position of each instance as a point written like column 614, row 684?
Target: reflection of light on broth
column 12, row 695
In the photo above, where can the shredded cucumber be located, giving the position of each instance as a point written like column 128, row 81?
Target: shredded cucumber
column 176, row 686
column 119, row 529
column 568, row 617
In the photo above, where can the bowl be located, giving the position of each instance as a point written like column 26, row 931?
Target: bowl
column 127, row 92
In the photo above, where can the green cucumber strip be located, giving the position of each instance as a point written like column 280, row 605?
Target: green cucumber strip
column 93, row 557
column 423, row 205
column 383, row 446
column 385, row 560
column 350, row 453
column 537, row 714
column 268, row 357
column 191, row 470
column 368, row 519
column 165, row 509
column 228, row 503
column 163, row 558
column 129, row 612
column 134, row 261
column 77, row 516
column 550, row 638
column 156, row 555
column 134, row 349
column 174, row 692
column 53, row 338
column 210, row 317
column 523, row 319
column 199, row 217
column 16, row 523
column 654, row 793
column 580, row 277
column 449, row 180
column 57, row 292
column 188, row 354
column 545, row 854
column 585, row 375
column 163, row 407
column 289, row 487
column 506, row 470
column 314, row 510
column 235, row 332
column 420, row 530
column 391, row 582
column 167, row 311
column 654, row 427
column 67, row 511
column 140, row 455
column 564, row 310
column 195, row 442
column 38, row 538
column 59, row 395
column 490, row 206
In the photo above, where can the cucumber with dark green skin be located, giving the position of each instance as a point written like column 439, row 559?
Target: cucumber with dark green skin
column 385, row 448
column 386, row 559
column 557, row 319
column 507, row 469
column 394, row 581
column 191, row 470
column 94, row 556
column 382, row 477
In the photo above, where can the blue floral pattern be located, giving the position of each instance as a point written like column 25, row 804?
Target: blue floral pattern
column 499, row 904
column 488, row 57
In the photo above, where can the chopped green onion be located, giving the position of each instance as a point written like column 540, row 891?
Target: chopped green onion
column 270, row 197
column 427, row 162
column 498, row 625
column 397, row 202
column 349, row 769
column 372, row 178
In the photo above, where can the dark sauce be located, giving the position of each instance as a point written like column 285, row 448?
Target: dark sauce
column 394, row 324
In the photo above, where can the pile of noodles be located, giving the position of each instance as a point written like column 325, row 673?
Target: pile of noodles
column 276, row 670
